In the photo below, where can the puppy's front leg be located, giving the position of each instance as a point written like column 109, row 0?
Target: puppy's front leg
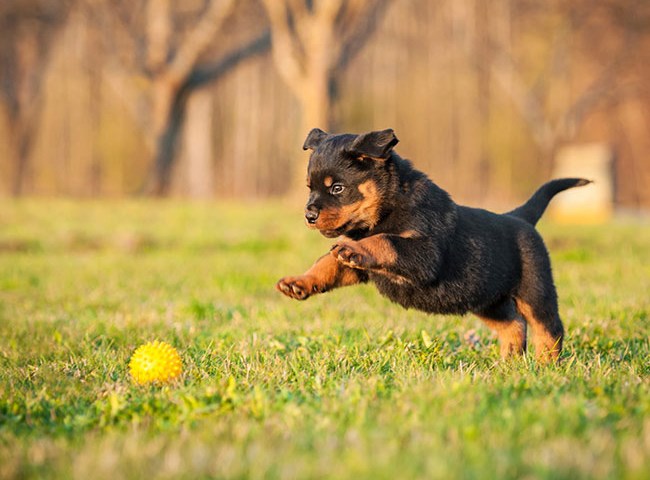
column 369, row 253
column 374, row 254
column 326, row 274
column 398, row 257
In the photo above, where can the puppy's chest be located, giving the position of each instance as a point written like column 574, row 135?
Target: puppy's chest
column 435, row 298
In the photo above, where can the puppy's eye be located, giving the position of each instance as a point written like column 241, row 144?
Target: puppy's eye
column 337, row 189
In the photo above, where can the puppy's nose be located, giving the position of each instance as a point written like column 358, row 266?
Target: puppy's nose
column 311, row 216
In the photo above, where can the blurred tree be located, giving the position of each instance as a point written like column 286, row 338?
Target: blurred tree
column 480, row 93
column 28, row 29
column 313, row 42
column 172, row 45
column 603, row 27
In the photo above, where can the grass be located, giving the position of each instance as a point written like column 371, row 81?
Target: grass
column 345, row 385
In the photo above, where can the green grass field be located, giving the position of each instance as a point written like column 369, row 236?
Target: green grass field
column 344, row 385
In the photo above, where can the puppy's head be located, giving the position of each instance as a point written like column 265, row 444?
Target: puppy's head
column 347, row 179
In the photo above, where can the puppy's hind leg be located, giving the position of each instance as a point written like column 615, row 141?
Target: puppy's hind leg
column 510, row 327
column 536, row 299
column 547, row 330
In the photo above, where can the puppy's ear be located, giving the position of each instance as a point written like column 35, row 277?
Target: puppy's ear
column 376, row 144
column 314, row 139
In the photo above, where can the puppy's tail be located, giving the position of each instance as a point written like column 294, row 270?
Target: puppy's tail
column 533, row 209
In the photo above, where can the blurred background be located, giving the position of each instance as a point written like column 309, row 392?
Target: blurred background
column 213, row 98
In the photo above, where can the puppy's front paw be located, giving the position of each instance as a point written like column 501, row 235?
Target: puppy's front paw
column 300, row 287
column 352, row 255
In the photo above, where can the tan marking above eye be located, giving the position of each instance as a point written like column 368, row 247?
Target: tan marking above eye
column 328, row 181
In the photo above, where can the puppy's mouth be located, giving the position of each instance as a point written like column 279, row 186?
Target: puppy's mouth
column 334, row 233
column 331, row 232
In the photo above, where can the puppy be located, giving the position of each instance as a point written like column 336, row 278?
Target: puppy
column 399, row 230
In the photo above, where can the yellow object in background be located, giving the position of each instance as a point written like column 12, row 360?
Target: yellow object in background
column 594, row 203
column 155, row 362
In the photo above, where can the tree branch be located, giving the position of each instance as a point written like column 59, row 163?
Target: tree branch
column 603, row 87
column 506, row 74
column 369, row 16
column 198, row 40
column 159, row 29
column 208, row 73
column 286, row 53
column 123, row 39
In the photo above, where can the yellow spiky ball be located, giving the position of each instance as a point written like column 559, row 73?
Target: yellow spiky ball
column 155, row 362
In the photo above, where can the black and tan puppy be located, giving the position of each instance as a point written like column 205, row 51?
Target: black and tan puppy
column 405, row 234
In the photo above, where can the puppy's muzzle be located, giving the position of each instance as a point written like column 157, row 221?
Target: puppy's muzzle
column 311, row 215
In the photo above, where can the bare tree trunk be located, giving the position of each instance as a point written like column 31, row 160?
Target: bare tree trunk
column 170, row 101
column 96, row 166
column 312, row 44
column 315, row 87
column 20, row 147
column 500, row 32
column 172, row 78
column 482, row 52
column 240, row 137
column 455, row 123
column 197, row 145
column 23, row 114
column 28, row 31
column 168, row 112
column 316, row 103
column 168, row 131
